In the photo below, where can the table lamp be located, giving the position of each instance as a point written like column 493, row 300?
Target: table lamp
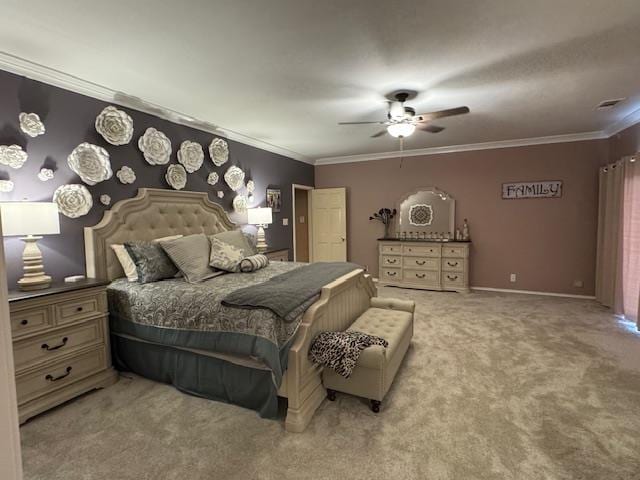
column 261, row 217
column 31, row 219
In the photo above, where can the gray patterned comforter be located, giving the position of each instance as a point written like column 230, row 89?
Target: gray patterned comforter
column 176, row 313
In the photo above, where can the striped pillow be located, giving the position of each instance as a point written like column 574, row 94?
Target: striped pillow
column 253, row 263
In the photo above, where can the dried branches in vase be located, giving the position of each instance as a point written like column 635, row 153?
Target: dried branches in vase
column 385, row 216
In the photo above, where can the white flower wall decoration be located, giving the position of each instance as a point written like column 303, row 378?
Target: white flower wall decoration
column 45, row 174
column 126, row 175
column 219, row 151
column 115, row 126
column 176, row 176
column 234, row 177
column 240, row 204
column 190, row 155
column 74, row 200
column 105, row 199
column 12, row 156
column 155, row 146
column 6, row 186
column 212, row 178
column 31, row 124
column 91, row 163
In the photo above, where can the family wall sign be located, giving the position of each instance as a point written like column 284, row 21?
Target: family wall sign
column 545, row 189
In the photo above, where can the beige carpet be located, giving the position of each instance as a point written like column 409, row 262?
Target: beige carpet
column 496, row 386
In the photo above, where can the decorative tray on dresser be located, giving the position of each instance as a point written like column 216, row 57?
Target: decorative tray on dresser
column 60, row 344
column 424, row 264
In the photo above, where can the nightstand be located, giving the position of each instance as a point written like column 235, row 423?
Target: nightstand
column 281, row 255
column 60, row 344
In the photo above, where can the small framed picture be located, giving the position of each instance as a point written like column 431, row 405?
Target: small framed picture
column 274, row 199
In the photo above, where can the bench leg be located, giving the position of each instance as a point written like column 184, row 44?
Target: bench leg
column 331, row 395
column 375, row 406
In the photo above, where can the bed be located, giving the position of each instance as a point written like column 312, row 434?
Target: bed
column 151, row 337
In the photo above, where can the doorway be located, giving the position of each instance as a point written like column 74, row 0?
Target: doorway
column 301, row 223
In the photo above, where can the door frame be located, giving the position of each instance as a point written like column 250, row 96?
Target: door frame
column 294, row 187
column 10, row 451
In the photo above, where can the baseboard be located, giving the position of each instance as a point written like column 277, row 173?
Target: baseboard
column 533, row 292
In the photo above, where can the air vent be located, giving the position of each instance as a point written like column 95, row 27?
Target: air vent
column 609, row 103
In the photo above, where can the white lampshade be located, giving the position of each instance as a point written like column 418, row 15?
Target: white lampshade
column 29, row 218
column 401, row 129
column 259, row 216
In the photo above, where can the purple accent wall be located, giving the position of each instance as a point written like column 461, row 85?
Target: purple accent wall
column 69, row 119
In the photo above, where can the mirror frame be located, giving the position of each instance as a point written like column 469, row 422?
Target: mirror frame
column 433, row 190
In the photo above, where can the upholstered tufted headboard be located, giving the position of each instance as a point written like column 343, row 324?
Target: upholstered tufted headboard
column 153, row 213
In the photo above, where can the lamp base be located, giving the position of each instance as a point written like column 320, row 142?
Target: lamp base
column 261, row 245
column 34, row 276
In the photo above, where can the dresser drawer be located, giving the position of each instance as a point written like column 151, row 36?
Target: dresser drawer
column 77, row 308
column 50, row 346
column 451, row 279
column 422, row 263
column 422, row 277
column 390, row 274
column 422, row 250
column 452, row 265
column 51, row 377
column 454, row 251
column 394, row 248
column 30, row 320
column 391, row 261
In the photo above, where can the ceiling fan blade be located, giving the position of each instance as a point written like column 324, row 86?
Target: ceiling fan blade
column 430, row 128
column 449, row 112
column 360, row 123
column 379, row 134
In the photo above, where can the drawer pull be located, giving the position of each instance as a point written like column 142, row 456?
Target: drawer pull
column 452, row 278
column 418, row 262
column 392, row 260
column 50, row 349
column 24, row 322
column 79, row 309
column 409, row 249
column 51, row 378
column 392, row 274
column 452, row 264
column 421, row 275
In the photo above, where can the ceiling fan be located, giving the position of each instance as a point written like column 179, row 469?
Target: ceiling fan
column 402, row 121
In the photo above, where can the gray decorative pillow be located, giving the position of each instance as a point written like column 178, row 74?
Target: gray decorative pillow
column 253, row 263
column 252, row 240
column 152, row 263
column 225, row 256
column 237, row 239
column 191, row 256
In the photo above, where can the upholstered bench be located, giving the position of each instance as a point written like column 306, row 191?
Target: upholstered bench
column 377, row 366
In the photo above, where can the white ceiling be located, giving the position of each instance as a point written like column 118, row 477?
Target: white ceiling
column 286, row 71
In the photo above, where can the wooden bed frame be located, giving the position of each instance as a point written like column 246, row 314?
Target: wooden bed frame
column 155, row 213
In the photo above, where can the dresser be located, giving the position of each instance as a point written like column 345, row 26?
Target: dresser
column 60, row 344
column 281, row 255
column 423, row 264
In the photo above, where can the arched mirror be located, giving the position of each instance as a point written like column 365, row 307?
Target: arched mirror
column 427, row 210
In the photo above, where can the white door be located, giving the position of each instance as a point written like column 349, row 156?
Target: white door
column 329, row 222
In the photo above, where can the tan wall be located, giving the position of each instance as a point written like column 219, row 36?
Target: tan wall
column 627, row 142
column 302, row 229
column 548, row 243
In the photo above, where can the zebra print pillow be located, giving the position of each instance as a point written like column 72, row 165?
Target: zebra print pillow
column 253, row 263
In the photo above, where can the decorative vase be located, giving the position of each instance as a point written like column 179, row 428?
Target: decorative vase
column 387, row 230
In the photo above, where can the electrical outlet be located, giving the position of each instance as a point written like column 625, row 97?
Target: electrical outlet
column 285, row 221
column 578, row 283
column 366, row 268
column 512, row 278
column 301, row 219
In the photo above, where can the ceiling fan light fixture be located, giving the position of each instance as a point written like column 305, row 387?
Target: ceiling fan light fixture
column 401, row 129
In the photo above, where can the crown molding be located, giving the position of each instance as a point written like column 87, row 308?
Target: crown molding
column 626, row 122
column 57, row 78
column 365, row 157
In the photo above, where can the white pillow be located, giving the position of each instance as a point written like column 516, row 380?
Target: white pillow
column 125, row 259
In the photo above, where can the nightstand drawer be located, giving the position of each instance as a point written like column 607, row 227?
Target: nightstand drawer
column 59, row 374
column 452, row 265
column 77, row 309
column 30, row 320
column 50, row 346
